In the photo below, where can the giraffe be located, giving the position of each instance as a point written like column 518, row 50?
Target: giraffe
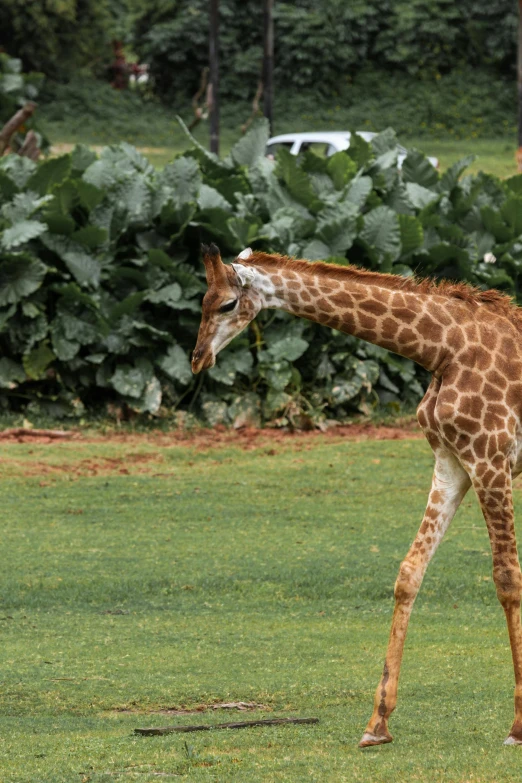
column 471, row 342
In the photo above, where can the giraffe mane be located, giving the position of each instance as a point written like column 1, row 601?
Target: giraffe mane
column 503, row 304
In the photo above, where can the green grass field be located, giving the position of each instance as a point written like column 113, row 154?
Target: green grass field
column 143, row 574
column 155, row 130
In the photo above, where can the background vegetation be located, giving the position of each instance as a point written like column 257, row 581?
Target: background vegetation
column 101, row 256
column 101, row 274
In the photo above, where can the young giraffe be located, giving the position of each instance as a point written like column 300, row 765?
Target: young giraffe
column 471, row 342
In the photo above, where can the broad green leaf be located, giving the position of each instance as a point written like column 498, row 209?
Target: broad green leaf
column 11, row 374
column 167, row 295
column 23, row 206
column 253, row 144
column 359, row 190
column 90, row 196
column 228, row 365
column 341, row 169
column 85, row 268
column 183, row 177
column 160, row 258
column 50, row 173
column 296, row 180
column 384, row 142
column 514, row 184
column 81, row 158
column 84, row 330
column 511, row 211
column 175, row 363
column 245, row 231
column 278, row 375
column 150, row 399
column 451, row 176
column 100, row 175
column 18, row 168
column 20, row 275
column 90, row 236
column 316, row 250
column 381, row 232
column 412, row 235
column 289, row 348
column 7, row 187
column 417, row 168
column 64, row 349
column 494, row 224
column 210, row 198
column 22, row 232
column 360, row 150
column 128, row 380
column 344, row 389
column 37, row 361
column 420, row 196
column 338, row 235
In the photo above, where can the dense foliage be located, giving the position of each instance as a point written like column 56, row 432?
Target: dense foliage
column 59, row 36
column 100, row 274
column 320, row 45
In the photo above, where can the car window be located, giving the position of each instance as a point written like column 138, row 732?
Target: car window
column 272, row 149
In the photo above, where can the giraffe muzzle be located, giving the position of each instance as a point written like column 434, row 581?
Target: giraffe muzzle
column 202, row 359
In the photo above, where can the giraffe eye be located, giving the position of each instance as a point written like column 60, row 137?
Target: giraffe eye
column 228, row 306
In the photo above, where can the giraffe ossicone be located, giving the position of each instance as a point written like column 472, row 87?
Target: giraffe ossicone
column 471, row 342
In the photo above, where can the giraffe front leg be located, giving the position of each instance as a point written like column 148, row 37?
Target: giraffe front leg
column 496, row 500
column 450, row 484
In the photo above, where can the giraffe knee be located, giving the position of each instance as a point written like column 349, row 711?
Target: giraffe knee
column 407, row 583
column 508, row 581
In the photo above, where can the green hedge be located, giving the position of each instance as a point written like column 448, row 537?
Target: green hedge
column 101, row 280
column 321, row 45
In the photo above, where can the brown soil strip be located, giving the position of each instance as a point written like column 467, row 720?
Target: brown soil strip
column 246, row 438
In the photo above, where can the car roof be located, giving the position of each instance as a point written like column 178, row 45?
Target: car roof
column 320, row 136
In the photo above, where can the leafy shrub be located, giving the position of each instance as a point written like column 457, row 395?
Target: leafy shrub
column 100, row 274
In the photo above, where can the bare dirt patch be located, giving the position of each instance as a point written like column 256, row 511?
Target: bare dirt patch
column 249, row 438
column 101, row 466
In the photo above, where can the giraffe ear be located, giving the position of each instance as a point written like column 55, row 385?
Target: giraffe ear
column 246, row 253
column 245, row 274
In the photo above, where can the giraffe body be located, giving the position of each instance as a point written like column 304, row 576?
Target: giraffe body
column 471, row 342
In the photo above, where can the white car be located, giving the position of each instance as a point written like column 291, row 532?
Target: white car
column 326, row 143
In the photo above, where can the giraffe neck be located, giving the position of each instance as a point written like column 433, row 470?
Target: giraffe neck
column 414, row 325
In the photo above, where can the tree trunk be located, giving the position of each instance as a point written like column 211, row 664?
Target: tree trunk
column 268, row 62
column 519, row 80
column 214, row 76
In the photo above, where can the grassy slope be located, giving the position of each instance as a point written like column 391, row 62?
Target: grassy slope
column 244, row 576
column 107, row 117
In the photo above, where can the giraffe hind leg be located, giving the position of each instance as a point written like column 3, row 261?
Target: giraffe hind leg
column 450, row 484
column 494, row 492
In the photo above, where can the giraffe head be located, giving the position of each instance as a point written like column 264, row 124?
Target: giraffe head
column 228, row 306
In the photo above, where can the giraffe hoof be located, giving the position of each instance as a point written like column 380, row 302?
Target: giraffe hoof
column 369, row 739
column 512, row 741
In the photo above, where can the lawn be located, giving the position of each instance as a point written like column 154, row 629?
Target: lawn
column 155, row 131
column 143, row 573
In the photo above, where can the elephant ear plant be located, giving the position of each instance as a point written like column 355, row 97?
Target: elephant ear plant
column 101, row 279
